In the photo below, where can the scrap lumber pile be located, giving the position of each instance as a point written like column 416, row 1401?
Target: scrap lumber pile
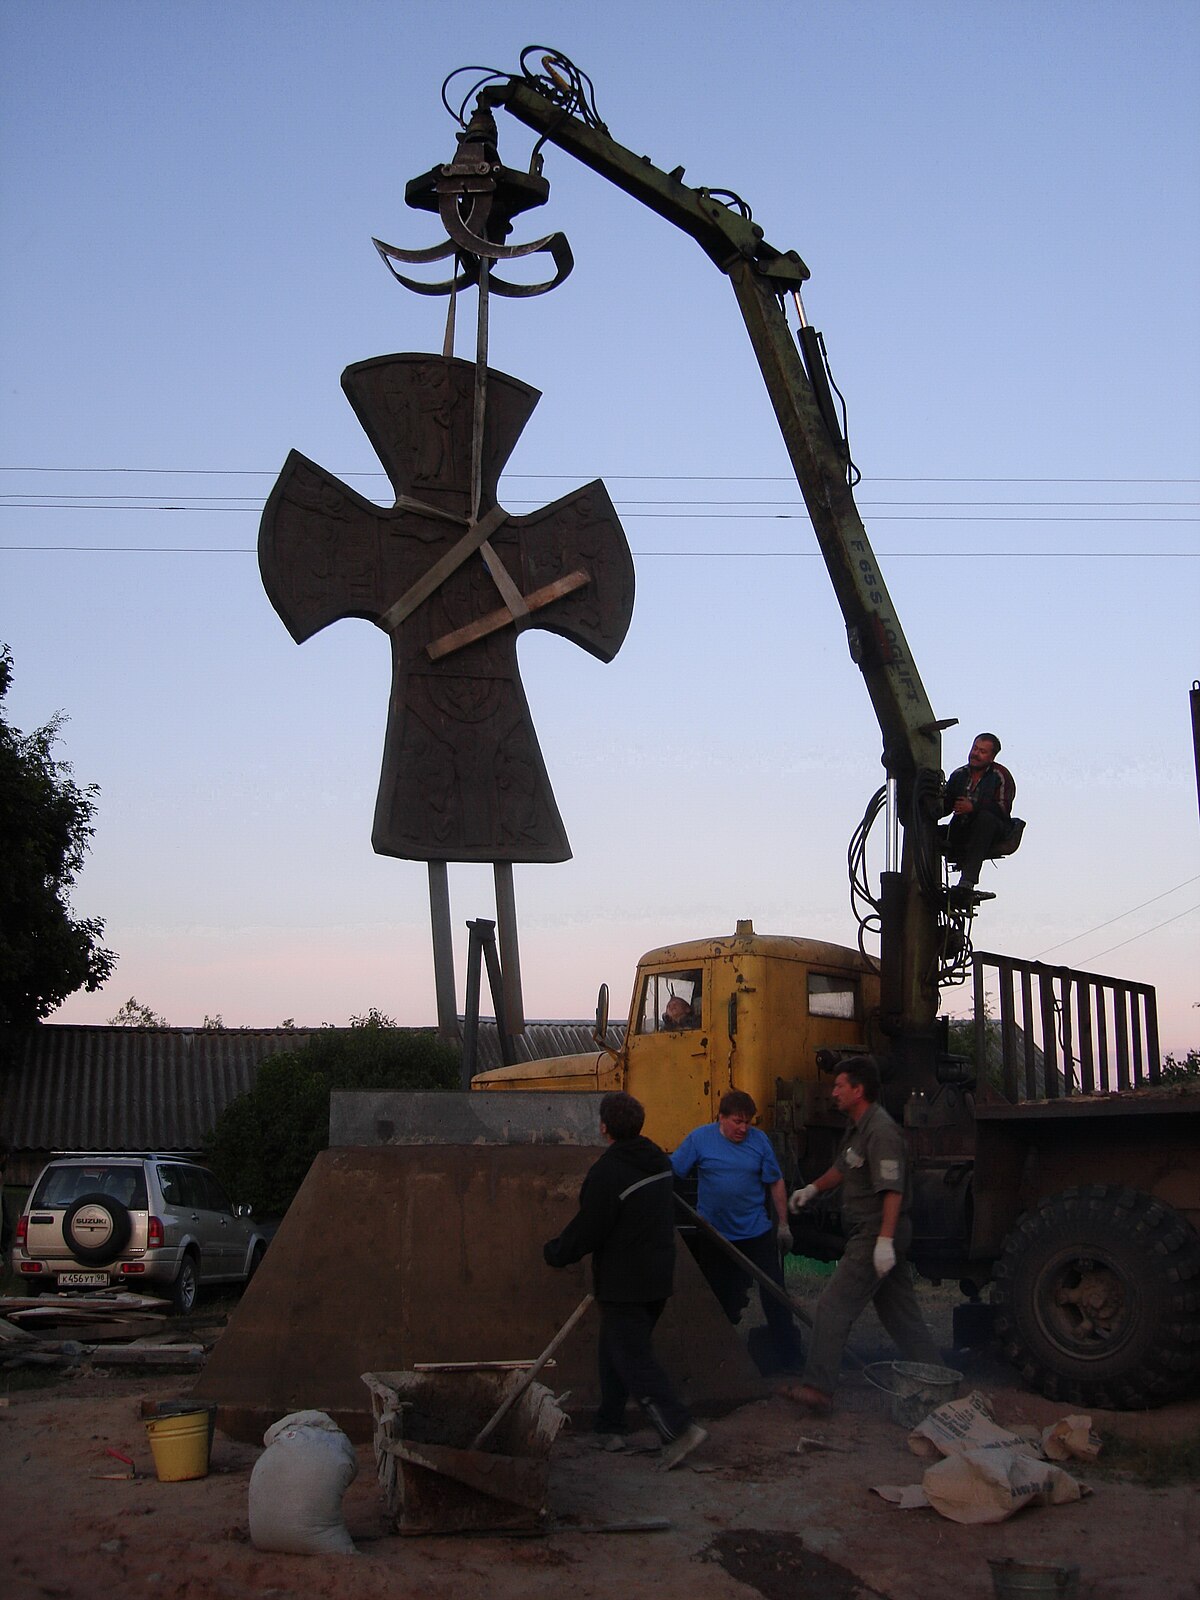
column 109, row 1330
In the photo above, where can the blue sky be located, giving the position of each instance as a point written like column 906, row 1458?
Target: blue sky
column 998, row 204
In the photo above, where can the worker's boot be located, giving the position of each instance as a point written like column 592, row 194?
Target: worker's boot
column 612, row 1442
column 961, row 895
column 807, row 1398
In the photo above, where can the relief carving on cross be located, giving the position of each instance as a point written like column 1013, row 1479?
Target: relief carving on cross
column 463, row 777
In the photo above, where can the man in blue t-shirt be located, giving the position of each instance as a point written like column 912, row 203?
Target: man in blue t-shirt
column 738, row 1175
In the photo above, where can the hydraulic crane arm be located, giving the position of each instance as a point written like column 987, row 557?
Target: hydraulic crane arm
column 797, row 383
column 761, row 276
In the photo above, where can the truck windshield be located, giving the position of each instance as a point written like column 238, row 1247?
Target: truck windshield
column 671, row 1002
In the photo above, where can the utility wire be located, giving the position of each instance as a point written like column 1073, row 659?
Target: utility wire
column 1135, row 937
column 731, row 515
column 104, row 502
column 672, row 555
column 1120, row 917
column 612, row 477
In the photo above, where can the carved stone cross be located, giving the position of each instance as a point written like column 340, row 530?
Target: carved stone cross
column 463, row 777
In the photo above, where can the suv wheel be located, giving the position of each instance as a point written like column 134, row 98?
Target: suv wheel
column 96, row 1229
column 186, row 1287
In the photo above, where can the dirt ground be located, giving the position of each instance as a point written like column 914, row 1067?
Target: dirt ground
column 753, row 1512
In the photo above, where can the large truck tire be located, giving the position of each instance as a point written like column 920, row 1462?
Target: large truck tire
column 1098, row 1298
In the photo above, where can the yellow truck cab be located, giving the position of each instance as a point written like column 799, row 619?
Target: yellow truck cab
column 749, row 1012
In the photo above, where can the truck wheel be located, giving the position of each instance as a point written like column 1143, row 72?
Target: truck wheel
column 1098, row 1298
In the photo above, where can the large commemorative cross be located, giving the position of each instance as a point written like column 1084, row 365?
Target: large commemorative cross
column 452, row 583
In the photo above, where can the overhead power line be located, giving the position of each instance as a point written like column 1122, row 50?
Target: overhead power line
column 731, row 515
column 1120, row 917
column 1143, row 512
column 1133, row 938
column 613, row 477
column 104, row 502
column 670, row 555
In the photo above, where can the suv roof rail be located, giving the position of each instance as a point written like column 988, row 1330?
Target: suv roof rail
column 128, row 1155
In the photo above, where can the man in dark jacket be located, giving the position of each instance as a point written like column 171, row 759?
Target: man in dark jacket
column 626, row 1223
column 980, row 795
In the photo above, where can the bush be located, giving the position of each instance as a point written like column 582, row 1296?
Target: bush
column 265, row 1141
column 1185, row 1070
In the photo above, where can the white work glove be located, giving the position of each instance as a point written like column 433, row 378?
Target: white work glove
column 884, row 1256
column 802, row 1196
column 783, row 1237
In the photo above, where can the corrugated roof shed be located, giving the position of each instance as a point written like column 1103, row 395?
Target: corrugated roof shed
column 98, row 1088
column 101, row 1088
column 542, row 1040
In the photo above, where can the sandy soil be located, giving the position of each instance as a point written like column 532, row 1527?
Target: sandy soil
column 750, row 1514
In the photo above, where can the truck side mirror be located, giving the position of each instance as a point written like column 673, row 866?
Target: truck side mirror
column 600, row 1032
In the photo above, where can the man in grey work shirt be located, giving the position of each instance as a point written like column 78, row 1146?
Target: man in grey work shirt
column 871, row 1169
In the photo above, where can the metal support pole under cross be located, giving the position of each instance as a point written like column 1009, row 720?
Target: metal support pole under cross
column 443, row 950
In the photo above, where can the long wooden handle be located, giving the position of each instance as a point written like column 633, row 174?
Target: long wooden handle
column 514, row 1395
column 760, row 1277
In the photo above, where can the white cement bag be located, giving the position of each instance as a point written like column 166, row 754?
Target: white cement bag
column 995, row 1482
column 297, row 1485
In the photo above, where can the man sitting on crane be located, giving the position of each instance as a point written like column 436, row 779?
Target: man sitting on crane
column 980, row 796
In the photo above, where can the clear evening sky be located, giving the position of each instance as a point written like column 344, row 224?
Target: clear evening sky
column 998, row 204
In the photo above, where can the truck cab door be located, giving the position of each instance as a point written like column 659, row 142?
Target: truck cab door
column 667, row 1053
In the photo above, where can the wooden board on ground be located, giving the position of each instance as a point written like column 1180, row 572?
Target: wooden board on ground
column 10, row 1333
column 121, row 1301
column 108, row 1331
column 146, row 1355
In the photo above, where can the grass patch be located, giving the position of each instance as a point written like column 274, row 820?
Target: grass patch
column 1155, row 1465
column 807, row 1267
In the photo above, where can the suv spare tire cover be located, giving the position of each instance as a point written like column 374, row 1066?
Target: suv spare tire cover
column 96, row 1228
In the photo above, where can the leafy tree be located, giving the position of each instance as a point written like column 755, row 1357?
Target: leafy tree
column 962, row 1042
column 265, row 1141
column 46, row 953
column 1181, row 1070
column 133, row 1014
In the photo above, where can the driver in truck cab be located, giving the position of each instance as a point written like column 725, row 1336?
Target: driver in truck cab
column 678, row 1014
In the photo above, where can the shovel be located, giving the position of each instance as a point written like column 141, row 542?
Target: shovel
column 755, row 1272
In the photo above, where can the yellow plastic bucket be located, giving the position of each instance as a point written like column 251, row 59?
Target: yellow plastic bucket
column 180, row 1446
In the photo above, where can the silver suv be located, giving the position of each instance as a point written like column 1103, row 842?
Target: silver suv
column 153, row 1222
